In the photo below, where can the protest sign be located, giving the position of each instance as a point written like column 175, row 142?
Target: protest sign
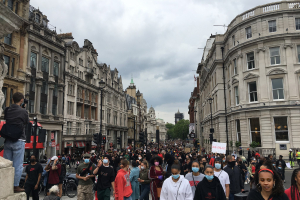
column 218, row 147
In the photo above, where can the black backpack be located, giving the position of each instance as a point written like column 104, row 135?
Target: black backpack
column 12, row 132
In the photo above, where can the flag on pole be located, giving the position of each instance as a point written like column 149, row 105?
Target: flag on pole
column 195, row 78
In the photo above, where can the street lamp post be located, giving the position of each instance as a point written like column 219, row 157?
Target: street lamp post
column 102, row 86
column 195, row 121
column 138, row 95
column 211, row 126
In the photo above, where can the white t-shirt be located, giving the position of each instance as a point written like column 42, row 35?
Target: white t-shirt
column 223, row 177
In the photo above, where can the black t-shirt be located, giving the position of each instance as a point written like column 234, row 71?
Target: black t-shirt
column 33, row 172
column 106, row 176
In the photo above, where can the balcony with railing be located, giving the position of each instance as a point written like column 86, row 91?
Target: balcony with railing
column 89, row 72
column 265, row 9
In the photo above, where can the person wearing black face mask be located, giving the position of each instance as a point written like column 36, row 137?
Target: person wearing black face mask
column 236, row 182
column 33, row 176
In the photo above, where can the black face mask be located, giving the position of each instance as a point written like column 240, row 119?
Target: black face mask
column 32, row 160
column 204, row 163
column 231, row 164
column 240, row 162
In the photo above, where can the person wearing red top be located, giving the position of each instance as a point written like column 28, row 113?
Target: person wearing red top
column 156, row 176
column 293, row 191
column 160, row 155
column 54, row 169
column 212, row 161
column 123, row 188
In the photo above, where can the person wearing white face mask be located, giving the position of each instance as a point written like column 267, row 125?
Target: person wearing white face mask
column 176, row 187
column 106, row 178
column 195, row 177
column 144, row 181
column 223, row 176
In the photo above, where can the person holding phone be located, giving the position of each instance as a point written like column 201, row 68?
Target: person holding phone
column 54, row 172
column 106, row 178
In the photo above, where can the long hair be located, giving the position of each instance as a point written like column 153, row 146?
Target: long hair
column 278, row 189
column 294, row 191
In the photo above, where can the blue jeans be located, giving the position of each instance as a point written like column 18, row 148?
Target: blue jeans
column 231, row 196
column 127, row 198
column 145, row 190
column 14, row 151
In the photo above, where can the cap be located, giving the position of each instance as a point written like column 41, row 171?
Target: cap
column 54, row 158
column 291, row 150
column 281, row 156
column 86, row 155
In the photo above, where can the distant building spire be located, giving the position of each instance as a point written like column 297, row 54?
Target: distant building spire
column 131, row 83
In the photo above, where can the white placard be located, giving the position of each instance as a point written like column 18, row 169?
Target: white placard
column 288, row 165
column 218, row 147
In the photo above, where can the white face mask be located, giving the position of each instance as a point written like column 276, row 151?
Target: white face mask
column 140, row 158
column 142, row 167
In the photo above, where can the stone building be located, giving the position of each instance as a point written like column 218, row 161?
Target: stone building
column 44, row 78
column 15, row 53
column 193, row 108
column 82, row 99
column 261, row 56
column 151, row 123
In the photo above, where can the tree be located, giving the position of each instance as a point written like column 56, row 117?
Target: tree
column 181, row 129
column 170, row 131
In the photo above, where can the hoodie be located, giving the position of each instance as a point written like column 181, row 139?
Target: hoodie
column 181, row 190
column 122, row 185
column 256, row 195
column 210, row 190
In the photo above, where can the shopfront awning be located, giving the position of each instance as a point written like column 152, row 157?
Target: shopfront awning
column 80, row 144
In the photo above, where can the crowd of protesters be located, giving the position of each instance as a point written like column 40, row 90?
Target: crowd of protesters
column 167, row 174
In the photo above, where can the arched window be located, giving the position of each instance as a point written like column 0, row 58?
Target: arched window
column 37, row 18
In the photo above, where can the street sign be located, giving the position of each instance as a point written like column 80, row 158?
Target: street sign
column 192, row 135
column 53, row 143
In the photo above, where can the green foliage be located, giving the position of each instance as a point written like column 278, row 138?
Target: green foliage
column 170, row 131
column 237, row 144
column 254, row 144
column 180, row 130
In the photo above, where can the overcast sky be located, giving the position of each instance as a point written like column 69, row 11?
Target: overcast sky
column 155, row 41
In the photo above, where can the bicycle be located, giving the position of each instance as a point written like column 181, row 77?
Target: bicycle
column 69, row 188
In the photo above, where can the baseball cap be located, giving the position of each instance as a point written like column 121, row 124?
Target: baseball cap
column 291, row 150
column 281, row 156
column 87, row 155
column 54, row 158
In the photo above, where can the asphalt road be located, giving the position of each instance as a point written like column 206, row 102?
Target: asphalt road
column 287, row 184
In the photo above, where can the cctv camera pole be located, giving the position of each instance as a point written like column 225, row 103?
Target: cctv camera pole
column 34, row 137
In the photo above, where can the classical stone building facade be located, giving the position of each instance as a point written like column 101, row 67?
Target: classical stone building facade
column 82, row 99
column 261, row 56
column 44, row 78
column 15, row 54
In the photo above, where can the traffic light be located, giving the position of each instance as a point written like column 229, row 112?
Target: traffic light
column 211, row 138
column 104, row 139
column 141, row 137
column 118, row 140
column 96, row 138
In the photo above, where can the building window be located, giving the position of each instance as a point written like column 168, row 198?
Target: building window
column 11, row 96
column 233, row 40
column 93, row 110
column 248, row 32
column 115, row 118
column 124, row 120
column 86, row 112
column 43, row 108
column 281, row 129
column 297, row 21
column 55, row 69
column 80, row 62
column 10, row 4
column 32, row 84
column 17, row 7
column 55, row 90
column 54, row 109
column 252, row 92
column 235, row 70
column 8, row 39
column 272, row 26
column 37, row 18
column 70, row 108
column 31, row 106
column 71, row 90
column 298, row 49
column 12, row 71
column 275, row 56
column 108, row 116
column 44, row 88
column 250, row 60
column 277, row 85
column 255, row 130
column 33, row 59
column 78, row 128
column 45, row 64
column 69, row 128
column 238, row 131
column 236, row 94
column 78, row 111
column 4, row 90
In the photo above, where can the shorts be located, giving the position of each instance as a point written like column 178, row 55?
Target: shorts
column 50, row 186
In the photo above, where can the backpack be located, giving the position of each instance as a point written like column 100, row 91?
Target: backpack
column 63, row 172
column 89, row 171
column 12, row 132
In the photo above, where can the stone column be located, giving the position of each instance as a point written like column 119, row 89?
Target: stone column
column 38, row 97
column 289, row 53
column 51, row 64
column 28, row 55
column 263, row 94
column 50, row 101
column 39, row 66
column 61, row 67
